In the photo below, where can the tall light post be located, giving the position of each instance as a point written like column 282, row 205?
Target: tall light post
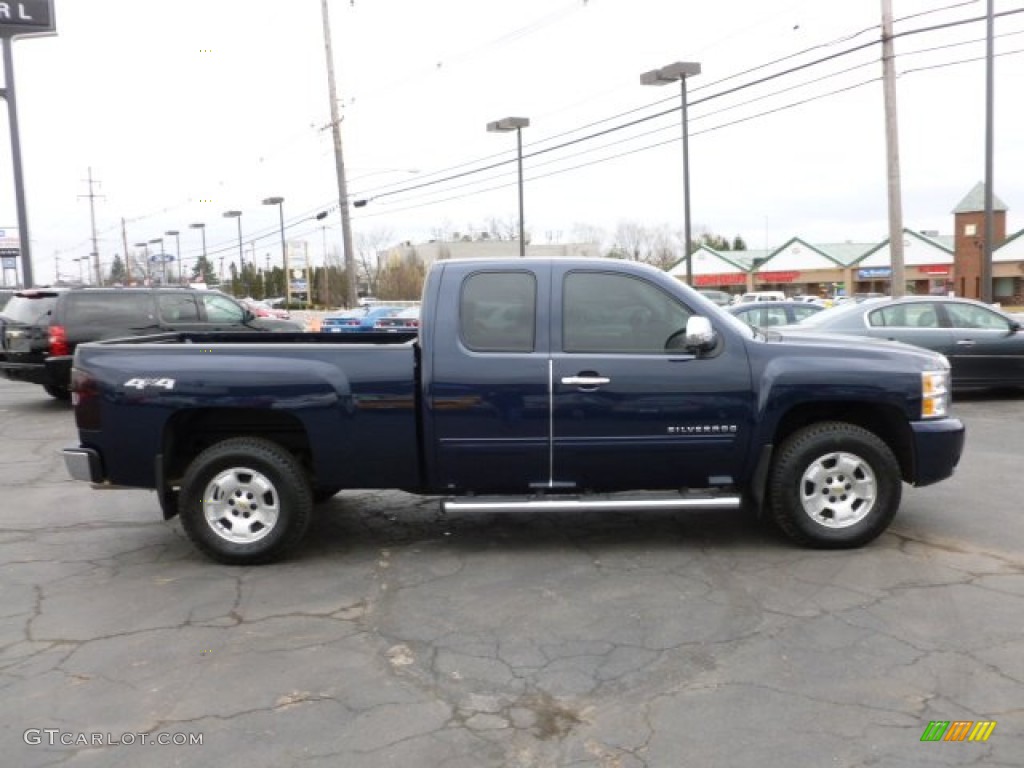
column 163, row 258
column 201, row 226
column 679, row 71
column 279, row 202
column 237, row 216
column 145, row 260
column 516, row 124
column 177, row 248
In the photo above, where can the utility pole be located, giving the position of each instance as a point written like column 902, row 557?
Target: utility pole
column 898, row 283
column 990, row 227
column 127, row 257
column 92, row 218
column 351, row 294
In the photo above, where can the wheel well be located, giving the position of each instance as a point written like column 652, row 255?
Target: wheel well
column 190, row 432
column 887, row 422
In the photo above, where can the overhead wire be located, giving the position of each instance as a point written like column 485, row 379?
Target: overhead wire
column 474, row 168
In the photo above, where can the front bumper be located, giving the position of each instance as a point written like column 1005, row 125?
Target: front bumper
column 937, row 448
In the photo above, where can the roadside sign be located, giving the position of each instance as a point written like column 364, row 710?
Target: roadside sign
column 27, row 18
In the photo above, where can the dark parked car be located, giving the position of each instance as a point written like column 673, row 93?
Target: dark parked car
column 985, row 346
column 762, row 314
column 43, row 326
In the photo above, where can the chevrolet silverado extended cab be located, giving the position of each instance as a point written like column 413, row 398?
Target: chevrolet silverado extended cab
column 532, row 384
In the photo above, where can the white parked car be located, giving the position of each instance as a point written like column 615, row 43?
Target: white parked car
column 762, row 296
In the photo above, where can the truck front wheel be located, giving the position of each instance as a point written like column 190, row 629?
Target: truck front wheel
column 834, row 485
column 245, row 501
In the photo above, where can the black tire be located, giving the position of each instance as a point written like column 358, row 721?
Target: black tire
column 323, row 494
column 834, row 485
column 57, row 392
column 245, row 501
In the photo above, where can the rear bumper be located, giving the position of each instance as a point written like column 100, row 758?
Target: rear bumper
column 83, row 464
column 54, row 372
column 937, row 448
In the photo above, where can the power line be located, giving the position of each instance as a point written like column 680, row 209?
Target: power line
column 474, row 168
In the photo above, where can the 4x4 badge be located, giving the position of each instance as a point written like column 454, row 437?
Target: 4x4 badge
column 145, row 383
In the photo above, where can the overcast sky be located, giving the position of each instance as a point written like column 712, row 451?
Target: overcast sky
column 185, row 110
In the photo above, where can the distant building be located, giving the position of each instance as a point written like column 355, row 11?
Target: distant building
column 483, row 248
column 933, row 263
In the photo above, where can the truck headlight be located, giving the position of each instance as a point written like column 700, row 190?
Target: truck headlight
column 935, row 386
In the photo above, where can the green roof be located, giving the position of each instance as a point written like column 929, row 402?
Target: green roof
column 975, row 201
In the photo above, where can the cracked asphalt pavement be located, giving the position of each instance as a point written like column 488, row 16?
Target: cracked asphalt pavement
column 396, row 636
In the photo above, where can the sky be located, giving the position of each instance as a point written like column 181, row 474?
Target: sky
column 184, row 110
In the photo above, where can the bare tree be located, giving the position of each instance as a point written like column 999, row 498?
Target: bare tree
column 402, row 279
column 631, row 241
column 663, row 251
column 369, row 246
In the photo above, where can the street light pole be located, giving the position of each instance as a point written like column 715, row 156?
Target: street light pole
column 279, row 202
column 201, row 226
column 237, row 216
column 680, row 70
column 163, row 258
column 177, row 249
column 516, row 124
column 145, row 260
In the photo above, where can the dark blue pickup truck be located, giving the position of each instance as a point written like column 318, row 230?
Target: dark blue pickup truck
column 532, row 384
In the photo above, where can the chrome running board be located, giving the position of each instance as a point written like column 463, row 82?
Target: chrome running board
column 597, row 501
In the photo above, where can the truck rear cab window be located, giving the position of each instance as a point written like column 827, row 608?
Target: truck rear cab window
column 497, row 312
column 608, row 313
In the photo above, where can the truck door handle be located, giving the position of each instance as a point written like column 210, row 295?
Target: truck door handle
column 585, row 381
column 965, row 343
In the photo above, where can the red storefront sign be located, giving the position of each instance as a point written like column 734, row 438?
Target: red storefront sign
column 939, row 270
column 732, row 278
column 777, row 277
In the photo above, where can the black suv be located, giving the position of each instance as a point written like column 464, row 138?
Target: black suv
column 40, row 328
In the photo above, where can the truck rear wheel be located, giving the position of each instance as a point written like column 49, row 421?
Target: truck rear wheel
column 834, row 485
column 245, row 501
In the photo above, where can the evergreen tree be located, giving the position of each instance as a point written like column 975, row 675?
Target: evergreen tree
column 118, row 272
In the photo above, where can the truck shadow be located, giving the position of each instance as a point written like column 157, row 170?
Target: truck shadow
column 342, row 528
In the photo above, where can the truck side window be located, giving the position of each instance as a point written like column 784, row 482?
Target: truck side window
column 220, row 309
column 178, row 307
column 497, row 312
column 605, row 312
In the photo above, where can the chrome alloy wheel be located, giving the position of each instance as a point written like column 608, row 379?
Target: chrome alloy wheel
column 838, row 490
column 241, row 505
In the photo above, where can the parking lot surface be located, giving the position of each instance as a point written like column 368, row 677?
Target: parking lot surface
column 399, row 637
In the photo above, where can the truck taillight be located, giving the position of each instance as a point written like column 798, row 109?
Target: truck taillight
column 85, row 397
column 59, row 341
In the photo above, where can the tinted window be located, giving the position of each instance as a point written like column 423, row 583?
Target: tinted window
column 799, row 313
column 178, row 307
column 109, row 309
column 765, row 316
column 31, row 308
column 916, row 315
column 971, row 316
column 616, row 313
column 497, row 312
column 221, row 309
